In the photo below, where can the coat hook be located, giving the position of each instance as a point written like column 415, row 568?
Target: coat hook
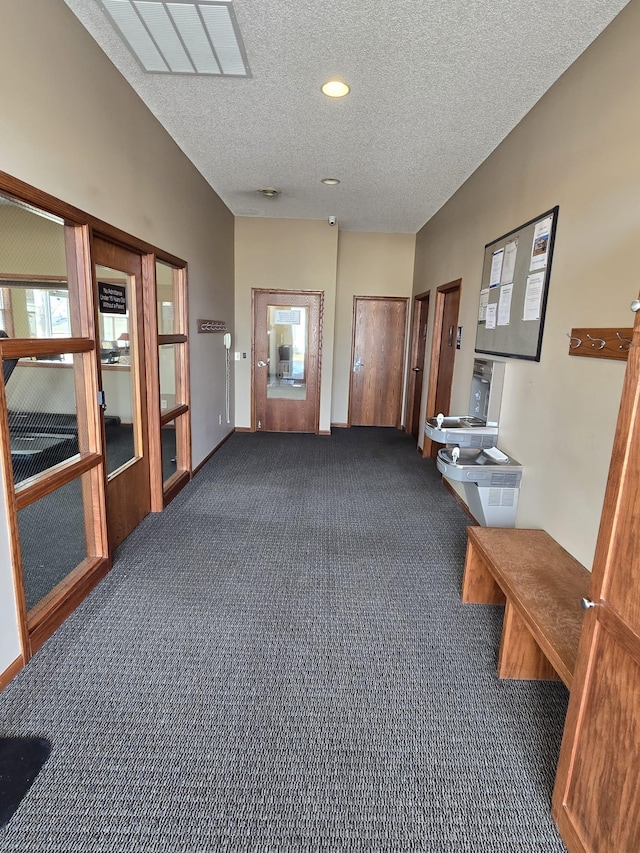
column 624, row 341
column 598, row 340
column 573, row 338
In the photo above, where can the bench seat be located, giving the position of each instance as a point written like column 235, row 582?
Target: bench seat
column 541, row 586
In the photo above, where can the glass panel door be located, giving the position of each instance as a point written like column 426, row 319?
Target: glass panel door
column 287, row 335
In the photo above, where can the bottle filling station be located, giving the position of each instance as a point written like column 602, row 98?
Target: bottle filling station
column 491, row 478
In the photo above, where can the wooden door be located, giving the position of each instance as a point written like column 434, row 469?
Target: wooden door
column 119, row 310
column 443, row 356
column 596, row 801
column 286, row 360
column 418, row 350
column 377, row 360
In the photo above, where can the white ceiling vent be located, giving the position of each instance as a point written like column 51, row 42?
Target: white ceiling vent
column 181, row 36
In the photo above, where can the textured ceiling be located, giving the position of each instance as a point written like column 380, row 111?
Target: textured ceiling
column 435, row 86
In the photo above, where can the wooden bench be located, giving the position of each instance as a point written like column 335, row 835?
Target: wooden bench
column 541, row 586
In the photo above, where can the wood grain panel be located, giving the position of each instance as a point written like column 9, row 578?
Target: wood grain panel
column 603, row 796
column 520, row 657
column 478, row 584
column 379, row 340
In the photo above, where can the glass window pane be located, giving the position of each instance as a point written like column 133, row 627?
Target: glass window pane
column 117, row 352
column 33, row 273
column 41, row 407
column 166, row 297
column 287, row 331
column 52, row 539
column 169, row 451
column 168, row 384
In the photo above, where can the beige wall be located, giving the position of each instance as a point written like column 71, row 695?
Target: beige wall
column 73, row 127
column 577, row 148
column 368, row 265
column 283, row 254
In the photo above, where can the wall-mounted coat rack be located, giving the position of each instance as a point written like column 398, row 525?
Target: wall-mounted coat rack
column 600, row 343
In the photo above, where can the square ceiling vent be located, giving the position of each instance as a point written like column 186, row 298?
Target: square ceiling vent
column 181, row 36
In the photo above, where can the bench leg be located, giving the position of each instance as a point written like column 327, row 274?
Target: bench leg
column 478, row 585
column 520, row 656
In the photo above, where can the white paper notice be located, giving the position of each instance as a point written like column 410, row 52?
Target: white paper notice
column 509, row 262
column 533, row 296
column 540, row 246
column 484, row 301
column 504, row 305
column 491, row 315
column 496, row 268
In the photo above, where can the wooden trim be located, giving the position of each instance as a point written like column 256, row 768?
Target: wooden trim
column 416, row 328
column 24, row 192
column 173, row 414
column 209, row 456
column 11, row 671
column 152, row 380
column 26, row 347
column 434, row 361
column 63, row 599
column 243, row 429
column 40, row 485
column 174, row 485
column 341, row 426
column 324, row 432
column 165, row 340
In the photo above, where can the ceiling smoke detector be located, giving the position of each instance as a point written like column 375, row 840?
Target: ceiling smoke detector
column 269, row 192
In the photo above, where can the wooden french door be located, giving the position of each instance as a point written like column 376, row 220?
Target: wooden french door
column 119, row 309
column 443, row 355
column 596, row 801
column 418, row 351
column 377, row 360
column 286, row 360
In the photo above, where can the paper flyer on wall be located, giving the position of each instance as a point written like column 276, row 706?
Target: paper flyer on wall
column 533, row 296
column 509, row 262
column 491, row 315
column 504, row 305
column 484, row 301
column 496, row 268
column 540, row 245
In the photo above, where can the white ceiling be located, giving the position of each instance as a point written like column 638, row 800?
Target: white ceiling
column 435, row 86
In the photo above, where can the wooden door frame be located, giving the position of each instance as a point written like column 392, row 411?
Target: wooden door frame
column 418, row 304
column 356, row 299
column 279, row 292
column 434, row 362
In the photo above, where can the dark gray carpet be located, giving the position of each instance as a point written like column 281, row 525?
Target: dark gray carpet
column 280, row 662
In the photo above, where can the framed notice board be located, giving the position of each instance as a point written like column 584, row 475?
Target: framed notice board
column 513, row 293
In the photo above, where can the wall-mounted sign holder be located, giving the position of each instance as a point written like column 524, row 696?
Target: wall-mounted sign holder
column 600, row 343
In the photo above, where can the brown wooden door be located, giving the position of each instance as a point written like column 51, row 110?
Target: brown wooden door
column 443, row 355
column 286, row 360
column 122, row 362
column 378, row 353
column 596, row 800
column 418, row 349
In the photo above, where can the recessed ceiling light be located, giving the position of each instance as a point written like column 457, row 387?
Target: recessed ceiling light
column 181, row 36
column 269, row 192
column 330, row 182
column 335, row 89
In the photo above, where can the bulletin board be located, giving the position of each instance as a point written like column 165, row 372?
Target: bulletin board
column 514, row 289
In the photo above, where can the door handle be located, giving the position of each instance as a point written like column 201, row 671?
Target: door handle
column 451, row 331
column 587, row 604
column 357, row 364
column 416, row 369
column 262, row 364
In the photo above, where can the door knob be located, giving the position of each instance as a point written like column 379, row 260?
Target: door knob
column 635, row 305
column 262, row 364
column 416, row 369
column 587, row 604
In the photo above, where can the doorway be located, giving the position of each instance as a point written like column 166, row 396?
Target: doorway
column 119, row 294
column 377, row 360
column 286, row 360
column 443, row 355
column 416, row 363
